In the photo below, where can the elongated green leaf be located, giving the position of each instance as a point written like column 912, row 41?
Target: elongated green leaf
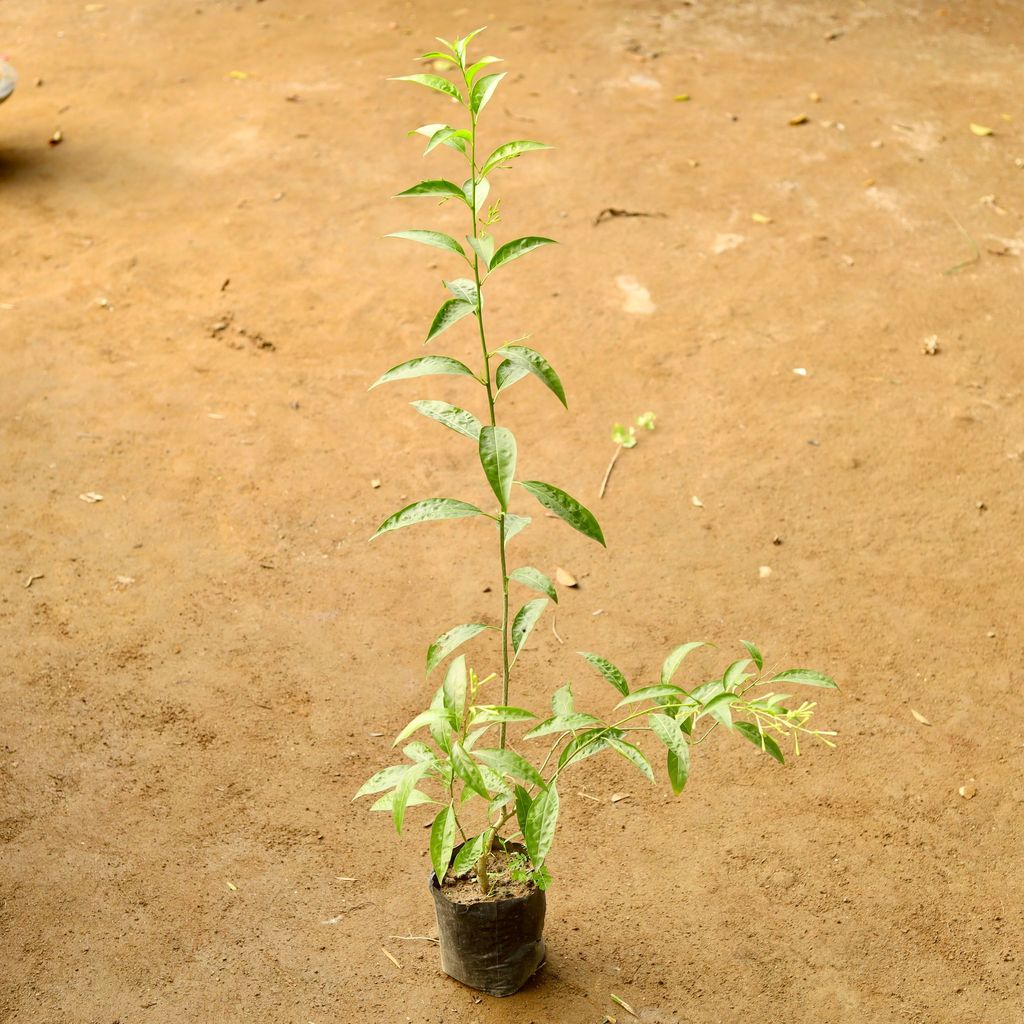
column 734, row 676
column 562, row 702
column 483, row 190
column 483, row 246
column 439, row 187
column 403, row 791
column 456, row 141
column 460, row 44
column 442, row 727
column 465, row 290
column 609, row 671
column 386, row 778
column 425, row 366
column 438, row 55
column 524, row 621
column 718, row 708
column 536, row 364
column 678, row 765
column 535, row 579
column 425, row 511
column 494, row 714
column 523, row 804
column 425, row 718
column 667, row 730
column 441, row 135
column 633, row 755
column 656, row 692
column 451, row 312
column 442, row 841
column 509, row 151
column 474, row 69
column 497, row 448
column 554, row 499
column 508, row 762
column 447, row 642
column 516, row 248
column 454, row 686
column 469, row 854
column 586, row 744
column 500, row 788
column 387, row 801
column 466, row 769
column 541, row 822
column 451, row 416
column 419, row 751
column 754, row 653
column 514, row 524
column 675, row 659
column 761, row 740
column 805, row 677
column 436, row 239
column 563, row 723
column 483, row 90
column 432, row 82
column 507, row 373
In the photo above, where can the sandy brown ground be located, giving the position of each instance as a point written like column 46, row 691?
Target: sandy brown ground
column 200, row 678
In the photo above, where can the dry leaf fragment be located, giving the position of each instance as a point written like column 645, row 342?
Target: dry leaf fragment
column 920, row 717
column 622, row 1002
column 343, row 878
column 125, row 581
column 981, row 129
column 390, row 957
column 617, row 797
column 56, row 138
column 930, row 345
column 683, row 97
column 375, row 483
column 35, row 576
column 697, row 503
column 232, row 887
column 91, row 497
column 968, row 792
column 239, row 75
column 798, row 119
column 764, row 571
column 800, row 371
column 565, row 578
column 760, row 218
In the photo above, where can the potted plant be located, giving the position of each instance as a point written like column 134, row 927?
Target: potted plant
column 488, row 769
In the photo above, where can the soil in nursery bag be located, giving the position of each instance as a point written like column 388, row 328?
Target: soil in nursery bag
column 492, row 943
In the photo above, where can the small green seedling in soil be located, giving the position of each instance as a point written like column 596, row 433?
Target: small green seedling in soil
column 625, row 437
column 487, row 769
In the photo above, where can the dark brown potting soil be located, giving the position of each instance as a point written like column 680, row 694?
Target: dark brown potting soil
column 502, row 887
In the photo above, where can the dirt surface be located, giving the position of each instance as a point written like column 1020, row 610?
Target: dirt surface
column 501, row 886
column 210, row 660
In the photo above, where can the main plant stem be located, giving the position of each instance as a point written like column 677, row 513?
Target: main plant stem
column 490, row 406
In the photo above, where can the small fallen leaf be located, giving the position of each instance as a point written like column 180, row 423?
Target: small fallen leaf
column 920, row 717
column 930, row 345
column 390, row 957
column 967, row 792
column 761, row 218
column 375, row 484
column 56, row 138
column 800, row 371
column 343, row 878
column 232, row 887
column 125, row 581
column 683, row 97
column 798, row 119
column 697, row 502
column 239, row 75
column 565, row 577
column 91, row 497
column 764, row 571
column 622, row 1002
column 617, row 797
column 980, row 129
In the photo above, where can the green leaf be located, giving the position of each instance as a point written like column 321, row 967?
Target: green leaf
column 514, row 524
column 470, row 853
column 523, row 804
column 678, row 765
column 426, row 511
column 437, row 55
column 441, row 135
column 633, row 755
column 451, row 416
column 655, row 692
column 387, row 801
column 432, row 82
column 451, row 312
column 404, row 790
column 526, row 618
column 535, row 363
column 456, row 141
column 761, row 740
column 609, row 671
column 465, row 290
column 483, row 246
column 718, row 708
column 440, row 187
column 474, row 69
column 437, row 239
column 386, row 778
column 461, row 44
column 494, row 714
column 541, row 822
column 508, row 762
column 675, row 659
column 586, row 744
column 466, row 769
column 806, row 677
column 483, row 189
column 441, row 728
column 500, row 787
column 667, row 730
column 508, row 373
column 425, row 366
column 562, row 702
column 442, row 841
column 419, row 751
column 497, row 448
column 563, row 723
column 447, row 642
column 509, row 151
column 754, row 653
column 535, row 579
column 516, row 248
column 428, row 717
column 483, row 90
column 454, row 686
column 734, row 676
column 565, row 507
